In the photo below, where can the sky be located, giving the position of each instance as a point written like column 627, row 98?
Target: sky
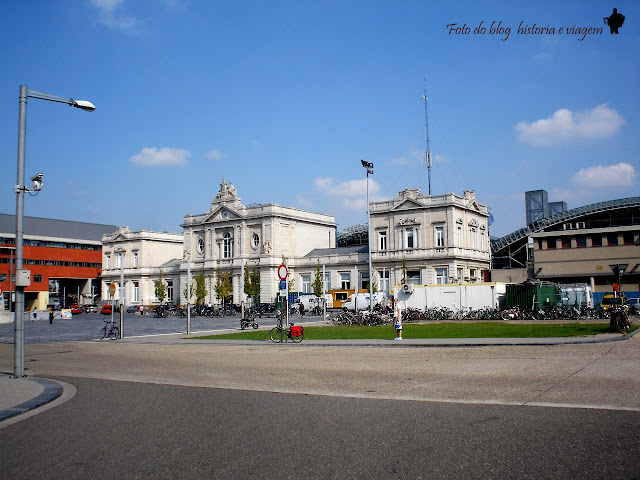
column 284, row 98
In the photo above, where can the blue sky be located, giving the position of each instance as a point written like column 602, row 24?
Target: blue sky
column 283, row 99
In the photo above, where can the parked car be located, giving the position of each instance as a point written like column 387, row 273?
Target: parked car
column 91, row 308
column 106, row 310
column 634, row 306
column 609, row 301
column 75, row 309
column 133, row 308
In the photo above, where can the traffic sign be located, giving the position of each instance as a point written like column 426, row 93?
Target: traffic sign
column 282, row 272
column 112, row 289
column 283, row 284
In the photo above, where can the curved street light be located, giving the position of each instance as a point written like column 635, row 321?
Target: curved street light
column 23, row 278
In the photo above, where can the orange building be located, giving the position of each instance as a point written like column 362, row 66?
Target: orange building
column 64, row 257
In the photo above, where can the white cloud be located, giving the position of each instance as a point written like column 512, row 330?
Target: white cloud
column 215, row 155
column 351, row 193
column 619, row 175
column 565, row 125
column 111, row 16
column 152, row 157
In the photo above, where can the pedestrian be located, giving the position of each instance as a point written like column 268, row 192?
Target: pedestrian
column 397, row 315
column 301, row 309
column 51, row 316
column 141, row 310
column 35, row 314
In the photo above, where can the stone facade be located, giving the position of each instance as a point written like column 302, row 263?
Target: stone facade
column 148, row 257
column 230, row 235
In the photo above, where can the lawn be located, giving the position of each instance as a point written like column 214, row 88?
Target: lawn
column 436, row 330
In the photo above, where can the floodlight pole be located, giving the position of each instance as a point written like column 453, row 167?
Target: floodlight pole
column 369, row 167
column 22, row 278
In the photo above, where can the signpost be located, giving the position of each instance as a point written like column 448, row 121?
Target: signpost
column 282, row 275
column 112, row 292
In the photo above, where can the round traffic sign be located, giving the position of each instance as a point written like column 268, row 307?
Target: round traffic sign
column 282, row 272
column 112, row 289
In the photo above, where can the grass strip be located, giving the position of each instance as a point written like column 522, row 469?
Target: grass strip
column 435, row 330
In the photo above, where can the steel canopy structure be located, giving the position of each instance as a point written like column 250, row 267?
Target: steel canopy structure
column 510, row 251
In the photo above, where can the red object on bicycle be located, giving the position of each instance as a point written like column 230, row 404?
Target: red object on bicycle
column 297, row 331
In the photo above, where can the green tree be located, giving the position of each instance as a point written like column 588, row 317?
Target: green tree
column 201, row 290
column 189, row 291
column 223, row 286
column 160, row 290
column 252, row 283
column 318, row 287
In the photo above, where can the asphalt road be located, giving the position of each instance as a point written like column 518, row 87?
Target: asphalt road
column 114, row 429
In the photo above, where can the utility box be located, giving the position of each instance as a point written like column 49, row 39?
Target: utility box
column 532, row 296
column 23, row 277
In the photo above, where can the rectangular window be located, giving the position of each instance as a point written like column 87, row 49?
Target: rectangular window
column 566, row 242
column 345, row 280
column 459, row 237
column 107, row 262
column 472, row 273
column 384, row 280
column 413, row 277
column 442, row 275
column 37, row 278
column 382, row 240
column 135, row 259
column 439, row 236
column 627, row 238
column 169, row 290
column 409, row 237
column 612, row 239
column 596, row 240
column 364, row 280
column 306, row 283
column 327, row 281
column 581, row 242
column 551, row 243
column 540, row 244
column 136, row 292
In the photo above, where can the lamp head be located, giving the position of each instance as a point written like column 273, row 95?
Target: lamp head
column 84, row 105
column 366, row 164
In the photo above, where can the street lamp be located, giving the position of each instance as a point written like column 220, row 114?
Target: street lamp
column 188, row 256
column 369, row 167
column 121, row 252
column 23, row 278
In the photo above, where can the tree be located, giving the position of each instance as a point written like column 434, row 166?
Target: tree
column 160, row 290
column 317, row 285
column 189, row 291
column 252, row 282
column 223, row 286
column 201, row 290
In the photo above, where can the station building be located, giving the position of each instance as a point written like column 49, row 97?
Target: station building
column 64, row 257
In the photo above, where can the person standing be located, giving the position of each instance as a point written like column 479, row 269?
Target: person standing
column 35, row 314
column 397, row 316
column 51, row 317
column 301, row 309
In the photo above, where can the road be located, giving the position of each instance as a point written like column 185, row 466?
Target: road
column 194, row 409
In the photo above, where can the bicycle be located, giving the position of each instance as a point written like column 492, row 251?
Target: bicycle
column 619, row 321
column 110, row 330
column 295, row 333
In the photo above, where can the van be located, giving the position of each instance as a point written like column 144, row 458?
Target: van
column 361, row 301
column 610, row 300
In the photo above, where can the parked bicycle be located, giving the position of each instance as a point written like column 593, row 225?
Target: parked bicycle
column 248, row 321
column 619, row 320
column 110, row 330
column 295, row 333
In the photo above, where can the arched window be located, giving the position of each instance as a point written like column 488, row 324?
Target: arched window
column 227, row 246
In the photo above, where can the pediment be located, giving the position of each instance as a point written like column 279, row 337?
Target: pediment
column 474, row 206
column 222, row 214
column 408, row 204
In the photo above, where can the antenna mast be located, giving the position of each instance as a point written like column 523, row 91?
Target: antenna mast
column 426, row 121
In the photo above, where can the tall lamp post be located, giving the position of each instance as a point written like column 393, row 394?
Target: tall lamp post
column 121, row 252
column 188, row 256
column 22, row 275
column 369, row 167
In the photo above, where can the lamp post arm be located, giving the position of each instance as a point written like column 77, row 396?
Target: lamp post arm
column 82, row 104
